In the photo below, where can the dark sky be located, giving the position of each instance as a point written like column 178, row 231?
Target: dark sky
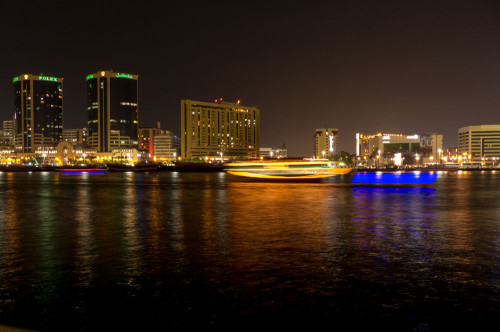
column 360, row 66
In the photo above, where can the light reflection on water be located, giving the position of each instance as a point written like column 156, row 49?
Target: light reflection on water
column 86, row 251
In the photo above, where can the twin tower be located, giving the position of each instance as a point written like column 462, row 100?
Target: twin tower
column 112, row 108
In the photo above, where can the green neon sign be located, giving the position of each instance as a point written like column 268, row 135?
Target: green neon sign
column 47, row 78
column 124, row 75
column 89, row 77
column 15, row 79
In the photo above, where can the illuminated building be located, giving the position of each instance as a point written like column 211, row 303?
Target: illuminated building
column 212, row 130
column 431, row 147
column 38, row 111
column 421, row 148
column 479, row 143
column 166, row 146
column 9, row 131
column 146, row 137
column 277, row 153
column 75, row 136
column 112, row 110
column 326, row 142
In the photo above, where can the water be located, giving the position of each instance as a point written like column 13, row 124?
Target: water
column 87, row 252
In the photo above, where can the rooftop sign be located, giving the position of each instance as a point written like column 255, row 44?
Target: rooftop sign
column 47, row 78
column 124, row 75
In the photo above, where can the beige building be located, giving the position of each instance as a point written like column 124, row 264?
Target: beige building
column 479, row 143
column 166, row 146
column 75, row 136
column 326, row 142
column 219, row 129
column 9, row 131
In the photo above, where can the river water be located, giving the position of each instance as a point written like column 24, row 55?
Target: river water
column 88, row 252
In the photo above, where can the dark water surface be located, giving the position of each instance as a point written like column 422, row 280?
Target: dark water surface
column 86, row 252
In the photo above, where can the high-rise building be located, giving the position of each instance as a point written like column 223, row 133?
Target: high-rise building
column 112, row 103
column 479, row 143
column 146, row 137
column 326, row 142
column 166, row 146
column 38, row 111
column 219, row 129
column 75, row 136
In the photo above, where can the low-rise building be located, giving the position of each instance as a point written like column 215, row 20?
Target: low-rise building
column 276, row 153
column 75, row 136
column 166, row 146
column 413, row 149
column 479, row 143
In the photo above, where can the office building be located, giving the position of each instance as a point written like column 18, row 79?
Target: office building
column 219, row 129
column 479, row 143
column 326, row 143
column 166, row 146
column 112, row 110
column 76, row 136
column 38, row 111
column 9, row 131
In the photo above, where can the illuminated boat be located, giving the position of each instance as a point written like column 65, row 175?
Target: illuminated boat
column 79, row 169
column 289, row 170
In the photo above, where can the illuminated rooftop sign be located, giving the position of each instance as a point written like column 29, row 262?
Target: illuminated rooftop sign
column 47, row 78
column 89, row 77
column 124, row 75
column 15, row 79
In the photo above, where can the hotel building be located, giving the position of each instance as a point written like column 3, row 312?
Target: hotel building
column 219, row 129
column 479, row 143
column 112, row 104
column 38, row 111
column 326, row 142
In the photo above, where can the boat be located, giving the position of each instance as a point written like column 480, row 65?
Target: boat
column 286, row 170
column 139, row 167
column 79, row 169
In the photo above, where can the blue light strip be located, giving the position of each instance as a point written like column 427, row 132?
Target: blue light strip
column 395, row 178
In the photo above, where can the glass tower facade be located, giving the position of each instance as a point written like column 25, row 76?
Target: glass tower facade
column 112, row 104
column 38, row 111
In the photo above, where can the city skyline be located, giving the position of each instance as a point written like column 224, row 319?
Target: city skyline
column 392, row 67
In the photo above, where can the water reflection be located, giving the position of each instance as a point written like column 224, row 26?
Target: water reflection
column 185, row 248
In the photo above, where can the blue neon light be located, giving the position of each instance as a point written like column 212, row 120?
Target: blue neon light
column 395, row 178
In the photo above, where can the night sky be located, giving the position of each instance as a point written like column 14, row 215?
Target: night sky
column 360, row 66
